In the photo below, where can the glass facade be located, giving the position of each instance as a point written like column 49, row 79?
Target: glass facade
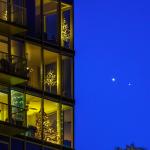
column 36, row 75
column 52, row 21
column 34, row 65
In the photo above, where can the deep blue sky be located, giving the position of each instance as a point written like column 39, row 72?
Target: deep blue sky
column 112, row 40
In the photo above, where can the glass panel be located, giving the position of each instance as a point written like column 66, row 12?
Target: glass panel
column 34, row 18
column 52, row 122
column 67, row 76
column 18, row 108
column 3, row 146
column 3, row 107
column 67, row 1
column 34, row 118
column 30, row 146
column 3, row 38
column 50, row 21
column 17, row 7
column 17, row 48
column 68, row 125
column 3, row 10
column 3, row 47
column 48, row 149
column 52, row 72
column 66, row 26
column 17, row 144
column 34, row 66
column 4, row 138
column 16, row 2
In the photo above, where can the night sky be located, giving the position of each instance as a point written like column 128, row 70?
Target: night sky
column 112, row 74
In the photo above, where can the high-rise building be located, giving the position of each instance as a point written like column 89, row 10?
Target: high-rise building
column 36, row 75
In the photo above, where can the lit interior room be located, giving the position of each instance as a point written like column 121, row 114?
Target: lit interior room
column 34, row 66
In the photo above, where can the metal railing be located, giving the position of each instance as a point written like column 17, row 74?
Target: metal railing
column 13, row 65
column 12, row 13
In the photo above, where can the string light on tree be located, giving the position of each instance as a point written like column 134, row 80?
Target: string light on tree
column 51, row 79
column 49, row 132
column 65, row 31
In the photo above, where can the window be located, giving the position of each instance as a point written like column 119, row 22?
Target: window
column 30, row 146
column 50, row 17
column 66, row 26
column 17, row 144
column 3, row 107
column 67, row 76
column 18, row 60
column 34, row 18
column 34, row 116
column 18, row 108
column 3, row 10
column 17, row 48
column 52, row 72
column 3, row 146
column 52, row 122
column 34, row 66
column 68, row 125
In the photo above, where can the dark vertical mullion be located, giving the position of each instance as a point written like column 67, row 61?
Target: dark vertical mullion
column 42, row 64
column 9, row 88
column 8, row 3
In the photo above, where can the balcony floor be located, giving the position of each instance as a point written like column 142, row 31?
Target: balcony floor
column 9, row 28
column 11, row 79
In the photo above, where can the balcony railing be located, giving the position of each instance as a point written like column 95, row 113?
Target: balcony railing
column 12, row 13
column 13, row 65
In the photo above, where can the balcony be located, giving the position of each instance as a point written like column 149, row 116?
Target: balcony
column 13, row 69
column 12, row 119
column 12, row 18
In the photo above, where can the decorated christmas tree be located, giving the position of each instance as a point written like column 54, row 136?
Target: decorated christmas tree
column 49, row 132
column 65, row 31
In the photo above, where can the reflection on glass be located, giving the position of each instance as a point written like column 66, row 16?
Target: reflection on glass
column 67, row 76
column 50, row 21
column 68, row 125
column 31, row 146
column 34, row 117
column 3, row 146
column 34, row 67
column 3, row 107
column 18, row 108
column 17, row 144
column 3, row 47
column 51, row 124
column 66, row 26
column 17, row 48
column 51, row 73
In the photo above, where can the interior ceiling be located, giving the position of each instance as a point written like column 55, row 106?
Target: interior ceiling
column 50, row 6
column 34, row 105
column 3, row 98
column 34, row 55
